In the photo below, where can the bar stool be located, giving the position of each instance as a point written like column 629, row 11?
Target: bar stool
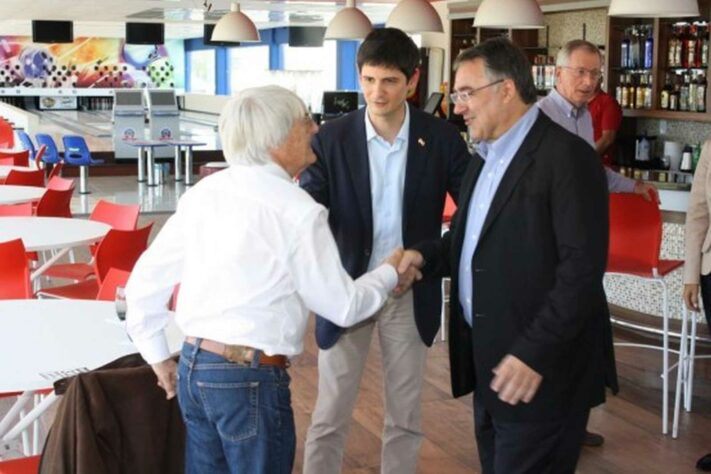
column 76, row 152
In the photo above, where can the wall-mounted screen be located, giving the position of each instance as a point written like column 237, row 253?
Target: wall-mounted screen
column 44, row 31
column 145, row 33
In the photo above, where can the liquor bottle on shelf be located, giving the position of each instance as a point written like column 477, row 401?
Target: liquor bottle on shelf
column 684, row 94
column 625, row 49
column 635, row 49
column 691, row 47
column 692, row 93
column 618, row 90
column 698, row 47
column 674, row 96
column 549, row 72
column 705, row 46
column 701, row 86
column 639, row 92
column 625, row 93
column 671, row 47
column 648, row 49
column 679, row 46
column 665, row 94
column 648, row 93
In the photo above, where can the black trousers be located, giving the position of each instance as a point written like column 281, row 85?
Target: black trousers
column 706, row 297
column 538, row 447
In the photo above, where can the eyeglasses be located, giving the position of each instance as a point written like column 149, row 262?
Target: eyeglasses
column 580, row 72
column 464, row 96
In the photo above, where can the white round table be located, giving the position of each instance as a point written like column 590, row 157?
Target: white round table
column 10, row 194
column 5, row 170
column 46, row 340
column 51, row 233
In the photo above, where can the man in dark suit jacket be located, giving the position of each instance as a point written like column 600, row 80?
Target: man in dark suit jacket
column 527, row 252
column 383, row 172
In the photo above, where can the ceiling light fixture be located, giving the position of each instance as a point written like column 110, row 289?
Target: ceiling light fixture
column 654, row 8
column 415, row 16
column 350, row 23
column 500, row 14
column 235, row 27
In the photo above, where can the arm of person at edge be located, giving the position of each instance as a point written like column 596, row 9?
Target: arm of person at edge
column 697, row 225
column 606, row 139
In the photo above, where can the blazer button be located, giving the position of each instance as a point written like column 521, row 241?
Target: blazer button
column 479, row 270
column 479, row 315
column 367, row 253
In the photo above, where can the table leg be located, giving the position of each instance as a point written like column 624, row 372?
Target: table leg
column 188, row 166
column 51, row 261
column 84, row 180
column 149, row 168
column 178, row 165
column 141, row 165
column 35, row 413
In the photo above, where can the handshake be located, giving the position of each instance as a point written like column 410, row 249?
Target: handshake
column 408, row 264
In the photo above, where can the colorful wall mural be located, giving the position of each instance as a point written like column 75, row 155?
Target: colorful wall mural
column 90, row 63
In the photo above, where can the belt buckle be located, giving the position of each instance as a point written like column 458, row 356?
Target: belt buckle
column 237, row 354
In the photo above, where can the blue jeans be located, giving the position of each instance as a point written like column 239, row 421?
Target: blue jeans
column 238, row 417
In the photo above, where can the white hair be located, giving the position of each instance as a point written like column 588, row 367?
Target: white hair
column 563, row 58
column 255, row 121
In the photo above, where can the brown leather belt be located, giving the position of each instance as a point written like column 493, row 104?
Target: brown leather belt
column 239, row 354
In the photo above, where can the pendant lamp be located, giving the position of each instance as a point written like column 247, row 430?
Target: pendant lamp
column 654, row 8
column 514, row 14
column 349, row 24
column 415, row 16
column 235, row 27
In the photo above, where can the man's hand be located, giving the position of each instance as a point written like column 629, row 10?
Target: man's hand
column 647, row 191
column 691, row 296
column 515, row 381
column 167, row 373
column 409, row 271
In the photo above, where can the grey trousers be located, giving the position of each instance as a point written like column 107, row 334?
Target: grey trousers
column 340, row 370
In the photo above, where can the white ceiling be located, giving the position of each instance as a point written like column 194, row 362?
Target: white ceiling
column 183, row 18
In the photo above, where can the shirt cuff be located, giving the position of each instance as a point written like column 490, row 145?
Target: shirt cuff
column 388, row 276
column 155, row 349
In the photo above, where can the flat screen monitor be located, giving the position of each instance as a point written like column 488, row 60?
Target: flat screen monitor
column 44, row 31
column 145, row 33
column 432, row 104
column 338, row 102
column 306, row 35
column 162, row 98
column 128, row 98
column 207, row 37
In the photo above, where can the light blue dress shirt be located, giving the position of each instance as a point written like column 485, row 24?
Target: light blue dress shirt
column 497, row 156
column 579, row 122
column 387, row 183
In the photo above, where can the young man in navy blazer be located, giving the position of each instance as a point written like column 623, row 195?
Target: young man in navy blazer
column 383, row 172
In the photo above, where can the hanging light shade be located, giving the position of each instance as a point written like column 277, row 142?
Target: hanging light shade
column 235, row 27
column 415, row 16
column 514, row 14
column 349, row 23
column 654, row 8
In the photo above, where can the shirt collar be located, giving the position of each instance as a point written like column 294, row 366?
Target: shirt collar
column 569, row 109
column 371, row 133
column 270, row 168
column 498, row 146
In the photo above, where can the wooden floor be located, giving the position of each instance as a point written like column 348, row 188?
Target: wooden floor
column 630, row 422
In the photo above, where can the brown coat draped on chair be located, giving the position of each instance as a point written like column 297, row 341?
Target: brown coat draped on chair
column 115, row 420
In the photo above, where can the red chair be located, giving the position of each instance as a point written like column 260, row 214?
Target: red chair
column 55, row 203
column 118, row 216
column 15, row 273
column 450, row 207
column 635, row 242
column 59, row 184
column 26, row 178
column 56, row 171
column 39, row 164
column 114, row 279
column 7, row 134
column 28, row 465
column 118, row 249
column 22, row 210
column 15, row 158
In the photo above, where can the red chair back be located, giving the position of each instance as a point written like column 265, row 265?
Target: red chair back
column 7, row 134
column 118, row 216
column 120, row 249
column 24, row 209
column 14, row 273
column 56, row 171
column 39, row 164
column 55, row 203
column 635, row 231
column 114, row 278
column 15, row 158
column 28, row 465
column 26, row 178
column 449, row 209
column 58, row 183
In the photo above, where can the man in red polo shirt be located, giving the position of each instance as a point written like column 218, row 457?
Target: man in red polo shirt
column 607, row 118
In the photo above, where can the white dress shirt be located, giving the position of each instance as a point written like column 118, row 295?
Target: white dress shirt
column 387, row 164
column 253, row 254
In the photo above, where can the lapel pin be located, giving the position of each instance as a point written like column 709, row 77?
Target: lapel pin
column 421, row 141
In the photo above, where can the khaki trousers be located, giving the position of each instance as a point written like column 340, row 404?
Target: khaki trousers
column 340, row 370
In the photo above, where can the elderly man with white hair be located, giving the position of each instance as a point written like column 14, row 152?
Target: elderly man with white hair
column 253, row 254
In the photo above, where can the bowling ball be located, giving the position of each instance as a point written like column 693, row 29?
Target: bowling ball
column 36, row 62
